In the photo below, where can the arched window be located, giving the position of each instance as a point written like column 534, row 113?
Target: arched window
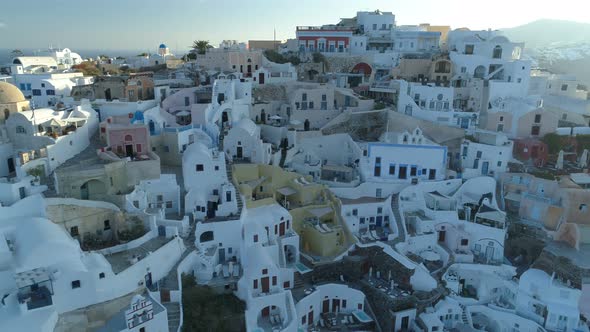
column 497, row 52
column 479, row 72
column 128, row 138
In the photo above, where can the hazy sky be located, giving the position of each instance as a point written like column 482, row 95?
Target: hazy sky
column 144, row 24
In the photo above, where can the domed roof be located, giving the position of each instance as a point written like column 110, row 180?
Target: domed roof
column 162, row 45
column 10, row 94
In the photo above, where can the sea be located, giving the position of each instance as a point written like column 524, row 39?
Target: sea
column 6, row 58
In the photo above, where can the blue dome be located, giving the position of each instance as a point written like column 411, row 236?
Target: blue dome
column 162, row 45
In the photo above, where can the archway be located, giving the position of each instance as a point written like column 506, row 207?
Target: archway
column 264, row 317
column 497, row 52
column 92, row 189
column 362, row 68
column 479, row 72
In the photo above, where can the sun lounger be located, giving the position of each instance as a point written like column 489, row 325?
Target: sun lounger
column 374, row 234
column 350, row 319
column 322, row 324
column 236, row 272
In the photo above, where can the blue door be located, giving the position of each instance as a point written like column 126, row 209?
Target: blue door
column 484, row 168
column 464, row 123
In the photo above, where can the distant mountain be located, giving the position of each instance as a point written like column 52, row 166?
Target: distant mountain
column 550, row 33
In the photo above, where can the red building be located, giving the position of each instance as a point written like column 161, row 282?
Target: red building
column 531, row 149
column 324, row 39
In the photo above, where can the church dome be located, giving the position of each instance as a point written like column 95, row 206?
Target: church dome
column 162, row 45
column 10, row 94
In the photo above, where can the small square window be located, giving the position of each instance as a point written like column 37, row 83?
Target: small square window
column 355, row 212
column 255, row 238
column 464, row 242
column 75, row 284
column 200, row 167
column 264, row 271
column 101, row 275
column 217, row 168
column 107, row 225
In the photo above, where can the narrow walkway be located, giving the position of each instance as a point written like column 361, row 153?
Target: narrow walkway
column 398, row 219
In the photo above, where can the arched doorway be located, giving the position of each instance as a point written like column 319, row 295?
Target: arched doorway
column 497, row 52
column 362, row 68
column 91, row 189
column 206, row 236
column 264, row 317
column 479, row 72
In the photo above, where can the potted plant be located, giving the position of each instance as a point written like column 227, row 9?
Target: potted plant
column 36, row 172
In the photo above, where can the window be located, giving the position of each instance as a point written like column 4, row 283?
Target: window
column 200, row 167
column 75, row 284
column 413, row 171
column 23, row 87
column 379, row 210
column 463, row 69
column 311, row 105
column 160, row 198
column 274, row 280
column 187, row 101
column 36, row 92
column 128, row 138
column 374, row 26
column 478, row 154
column 583, row 207
column 499, row 164
column 264, row 271
column 130, row 94
column 535, row 130
column 355, row 212
column 362, row 220
column 391, row 169
column 255, row 284
column 228, row 196
column 304, row 97
column 255, row 238
column 564, row 87
column 50, row 92
column 28, row 86
column 464, row 242
column 469, row 49
column 107, row 225
column 101, row 275
column 74, row 231
column 169, row 204
column 500, row 127
column 20, row 130
column 537, row 118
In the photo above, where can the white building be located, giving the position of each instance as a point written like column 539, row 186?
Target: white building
column 48, row 89
column 548, row 301
column 402, row 158
column 63, row 57
column 50, row 137
column 209, row 191
column 489, row 154
column 162, row 193
column 143, row 314
column 243, row 142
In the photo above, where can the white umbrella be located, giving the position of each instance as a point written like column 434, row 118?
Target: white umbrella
column 295, row 122
column 559, row 164
column 584, row 159
column 275, row 117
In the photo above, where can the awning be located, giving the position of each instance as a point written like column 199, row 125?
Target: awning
column 320, row 212
column 287, row 191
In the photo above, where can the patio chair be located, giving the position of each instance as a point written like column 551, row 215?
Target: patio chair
column 226, row 271
column 322, row 323
column 350, row 319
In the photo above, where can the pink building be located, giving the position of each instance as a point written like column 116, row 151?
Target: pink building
column 124, row 137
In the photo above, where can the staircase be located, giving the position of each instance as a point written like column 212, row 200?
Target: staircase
column 228, row 171
column 464, row 315
column 173, row 311
column 398, row 218
column 298, row 281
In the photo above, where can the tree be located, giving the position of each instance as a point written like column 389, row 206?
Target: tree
column 88, row 68
column 16, row 53
column 201, row 46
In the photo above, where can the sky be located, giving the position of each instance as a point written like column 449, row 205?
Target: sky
column 144, row 24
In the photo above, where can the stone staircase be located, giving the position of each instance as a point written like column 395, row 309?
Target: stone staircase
column 173, row 311
column 398, row 218
column 298, row 281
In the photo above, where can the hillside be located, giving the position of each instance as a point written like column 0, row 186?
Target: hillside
column 546, row 33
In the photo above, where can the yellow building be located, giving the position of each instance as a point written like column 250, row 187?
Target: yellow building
column 315, row 210
column 444, row 32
